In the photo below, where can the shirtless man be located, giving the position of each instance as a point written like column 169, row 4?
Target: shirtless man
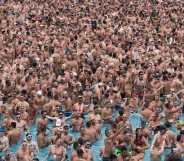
column 4, row 142
column 57, row 151
column 14, row 134
column 158, row 145
column 153, row 105
column 77, row 122
column 106, row 114
column 10, row 156
column 96, row 117
column 82, row 155
column 171, row 112
column 89, row 133
column 106, row 151
column 23, row 153
column 68, row 140
column 78, row 107
column 59, row 121
column 43, row 121
column 42, row 139
column 32, row 146
column 139, row 87
column 180, row 145
column 21, row 124
column 39, row 101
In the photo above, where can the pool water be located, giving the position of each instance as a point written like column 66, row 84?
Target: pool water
column 96, row 147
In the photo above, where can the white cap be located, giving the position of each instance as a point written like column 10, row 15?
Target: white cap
column 39, row 93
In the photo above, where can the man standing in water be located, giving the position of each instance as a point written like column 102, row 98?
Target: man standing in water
column 14, row 134
column 57, row 151
column 4, row 142
column 23, row 153
column 32, row 146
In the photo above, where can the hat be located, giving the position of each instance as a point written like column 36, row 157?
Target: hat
column 39, row 93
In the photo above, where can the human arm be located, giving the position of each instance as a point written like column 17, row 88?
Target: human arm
column 51, row 118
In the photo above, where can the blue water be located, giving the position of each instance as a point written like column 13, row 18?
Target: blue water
column 97, row 146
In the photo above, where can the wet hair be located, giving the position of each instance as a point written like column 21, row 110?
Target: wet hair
column 88, row 124
column 178, row 138
column 80, row 141
column 121, row 112
column 23, row 92
column 167, row 105
column 180, row 76
column 80, row 152
column 8, row 83
column 13, row 124
column 123, row 94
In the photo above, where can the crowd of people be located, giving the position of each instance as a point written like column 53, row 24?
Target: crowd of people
column 74, row 63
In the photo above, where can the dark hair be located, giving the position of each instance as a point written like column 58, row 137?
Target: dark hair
column 178, row 138
column 23, row 92
column 13, row 124
column 80, row 141
column 80, row 152
column 180, row 76
column 121, row 112
column 88, row 124
column 28, row 134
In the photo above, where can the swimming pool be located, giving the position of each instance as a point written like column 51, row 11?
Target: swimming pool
column 96, row 147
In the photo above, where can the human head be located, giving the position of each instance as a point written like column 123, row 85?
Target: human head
column 39, row 93
column 58, row 143
column 43, row 113
column 28, row 137
column 24, row 144
column 13, row 125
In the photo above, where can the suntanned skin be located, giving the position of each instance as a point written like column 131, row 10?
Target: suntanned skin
column 90, row 65
column 57, row 151
column 14, row 136
column 23, row 153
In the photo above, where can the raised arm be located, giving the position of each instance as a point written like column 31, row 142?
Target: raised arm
column 51, row 118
